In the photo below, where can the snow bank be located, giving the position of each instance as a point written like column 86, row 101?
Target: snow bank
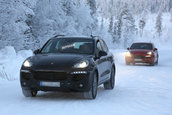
column 11, row 61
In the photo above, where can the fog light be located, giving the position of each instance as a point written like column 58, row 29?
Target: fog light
column 24, row 83
column 148, row 56
column 81, row 85
column 25, row 71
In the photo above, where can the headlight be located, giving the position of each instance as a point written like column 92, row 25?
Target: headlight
column 128, row 54
column 81, row 64
column 27, row 63
column 149, row 53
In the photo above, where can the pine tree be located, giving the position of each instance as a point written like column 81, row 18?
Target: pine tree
column 93, row 8
column 158, row 26
column 171, row 14
column 142, row 24
column 117, row 30
column 67, row 7
column 111, row 25
column 128, row 25
column 102, row 24
column 92, row 4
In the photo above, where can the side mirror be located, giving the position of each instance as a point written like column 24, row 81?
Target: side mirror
column 102, row 53
column 128, row 48
column 37, row 51
column 155, row 49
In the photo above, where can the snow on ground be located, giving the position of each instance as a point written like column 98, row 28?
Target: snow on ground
column 140, row 90
column 11, row 61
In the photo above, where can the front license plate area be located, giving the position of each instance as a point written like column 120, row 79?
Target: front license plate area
column 50, row 84
column 138, row 60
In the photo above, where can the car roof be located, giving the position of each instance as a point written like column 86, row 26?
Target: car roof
column 142, row 42
column 77, row 37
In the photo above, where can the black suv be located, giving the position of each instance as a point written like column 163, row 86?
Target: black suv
column 69, row 64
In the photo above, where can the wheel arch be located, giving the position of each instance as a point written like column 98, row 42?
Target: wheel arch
column 96, row 70
column 113, row 66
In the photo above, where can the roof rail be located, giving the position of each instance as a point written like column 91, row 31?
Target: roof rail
column 94, row 36
column 59, row 35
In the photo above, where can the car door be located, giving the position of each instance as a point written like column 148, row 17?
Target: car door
column 101, row 63
column 109, row 60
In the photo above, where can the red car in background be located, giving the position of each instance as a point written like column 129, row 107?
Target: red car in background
column 142, row 52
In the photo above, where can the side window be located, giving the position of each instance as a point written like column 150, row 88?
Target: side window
column 57, row 45
column 104, row 46
column 46, row 49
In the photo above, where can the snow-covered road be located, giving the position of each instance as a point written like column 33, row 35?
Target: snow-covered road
column 140, row 90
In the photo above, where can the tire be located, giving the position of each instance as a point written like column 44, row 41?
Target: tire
column 152, row 64
column 156, row 62
column 127, row 63
column 29, row 93
column 111, row 83
column 93, row 90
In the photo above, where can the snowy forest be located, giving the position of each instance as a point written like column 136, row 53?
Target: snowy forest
column 27, row 24
column 140, row 88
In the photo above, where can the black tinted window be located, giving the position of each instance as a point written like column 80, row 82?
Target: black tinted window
column 141, row 46
column 69, row 45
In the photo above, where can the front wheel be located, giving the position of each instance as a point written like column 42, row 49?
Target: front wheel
column 93, row 90
column 156, row 62
column 29, row 93
column 152, row 64
column 111, row 83
column 127, row 63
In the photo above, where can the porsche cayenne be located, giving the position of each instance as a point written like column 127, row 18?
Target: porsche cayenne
column 77, row 64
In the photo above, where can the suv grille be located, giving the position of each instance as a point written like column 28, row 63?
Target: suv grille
column 78, row 77
column 138, row 56
column 50, row 76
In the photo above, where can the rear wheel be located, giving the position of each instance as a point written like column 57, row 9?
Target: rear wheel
column 152, row 64
column 111, row 83
column 127, row 63
column 93, row 91
column 29, row 93
column 156, row 62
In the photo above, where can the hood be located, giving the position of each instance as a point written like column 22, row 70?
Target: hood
column 139, row 51
column 55, row 61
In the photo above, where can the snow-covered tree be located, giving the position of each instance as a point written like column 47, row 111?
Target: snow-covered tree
column 69, row 17
column 110, row 25
column 27, row 24
column 124, row 27
column 14, row 23
column 128, row 26
column 142, row 24
column 171, row 14
column 93, row 7
column 92, row 4
column 158, row 26
column 117, row 30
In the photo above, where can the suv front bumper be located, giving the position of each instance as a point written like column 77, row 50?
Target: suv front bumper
column 78, row 80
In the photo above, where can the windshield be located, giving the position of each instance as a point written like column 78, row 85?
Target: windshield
column 69, row 45
column 146, row 46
